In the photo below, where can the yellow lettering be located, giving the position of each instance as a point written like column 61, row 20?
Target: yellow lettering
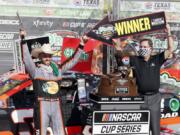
column 141, row 24
column 125, row 27
column 136, row 25
column 119, row 28
column 147, row 23
column 130, row 27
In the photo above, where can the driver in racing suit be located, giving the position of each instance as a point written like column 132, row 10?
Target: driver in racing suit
column 46, row 83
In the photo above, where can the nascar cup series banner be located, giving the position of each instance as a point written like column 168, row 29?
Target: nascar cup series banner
column 121, row 122
column 105, row 30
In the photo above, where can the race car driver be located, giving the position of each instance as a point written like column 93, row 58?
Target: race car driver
column 46, row 79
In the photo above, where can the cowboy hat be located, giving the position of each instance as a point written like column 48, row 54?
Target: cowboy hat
column 45, row 48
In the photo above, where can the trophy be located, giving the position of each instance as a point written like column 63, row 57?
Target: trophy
column 119, row 83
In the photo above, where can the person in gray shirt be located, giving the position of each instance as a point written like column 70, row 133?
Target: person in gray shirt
column 46, row 83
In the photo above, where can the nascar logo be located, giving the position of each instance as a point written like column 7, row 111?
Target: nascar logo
column 122, row 117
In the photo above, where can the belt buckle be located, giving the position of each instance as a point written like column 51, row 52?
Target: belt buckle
column 48, row 99
column 54, row 99
column 150, row 93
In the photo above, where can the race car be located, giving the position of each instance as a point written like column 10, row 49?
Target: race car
column 16, row 117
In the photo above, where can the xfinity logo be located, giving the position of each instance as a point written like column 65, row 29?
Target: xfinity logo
column 44, row 23
column 9, row 22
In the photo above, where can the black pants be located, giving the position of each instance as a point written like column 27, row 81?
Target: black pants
column 152, row 103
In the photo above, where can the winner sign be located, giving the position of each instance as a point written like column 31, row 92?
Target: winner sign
column 105, row 30
column 121, row 122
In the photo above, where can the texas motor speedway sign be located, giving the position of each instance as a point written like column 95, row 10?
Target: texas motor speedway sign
column 121, row 122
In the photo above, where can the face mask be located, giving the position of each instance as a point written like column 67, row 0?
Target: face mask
column 144, row 52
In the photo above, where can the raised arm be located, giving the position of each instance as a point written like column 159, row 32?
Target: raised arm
column 73, row 60
column 168, row 52
column 27, row 59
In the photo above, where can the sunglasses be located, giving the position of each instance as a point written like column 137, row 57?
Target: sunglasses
column 45, row 55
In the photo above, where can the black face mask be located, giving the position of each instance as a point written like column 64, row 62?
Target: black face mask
column 144, row 52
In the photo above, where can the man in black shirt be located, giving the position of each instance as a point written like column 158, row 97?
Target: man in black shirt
column 146, row 69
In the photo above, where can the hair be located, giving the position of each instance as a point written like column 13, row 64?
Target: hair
column 149, row 41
